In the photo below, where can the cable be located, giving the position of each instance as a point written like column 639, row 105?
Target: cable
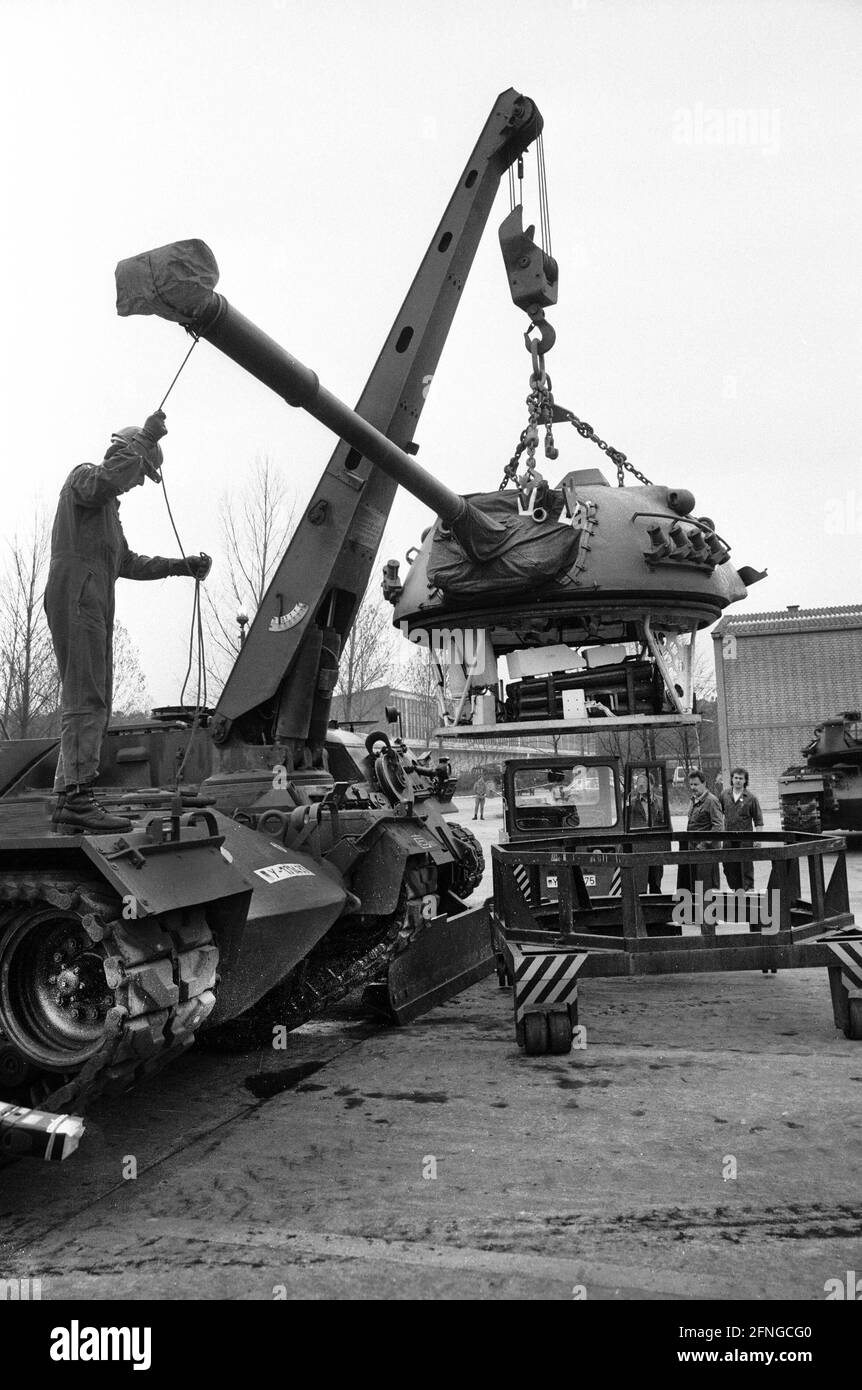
column 196, row 630
column 182, row 364
column 543, row 195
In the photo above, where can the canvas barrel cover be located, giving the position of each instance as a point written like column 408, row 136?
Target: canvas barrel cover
column 519, row 555
column 176, row 281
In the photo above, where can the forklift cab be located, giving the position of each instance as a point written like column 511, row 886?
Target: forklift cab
column 565, row 796
column 587, row 803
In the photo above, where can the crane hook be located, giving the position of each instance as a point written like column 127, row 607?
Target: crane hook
column 547, row 338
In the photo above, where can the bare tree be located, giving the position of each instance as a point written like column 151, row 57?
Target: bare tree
column 703, row 668
column 29, row 681
column 419, row 676
column 256, row 521
column 30, row 689
column 366, row 661
column 131, row 695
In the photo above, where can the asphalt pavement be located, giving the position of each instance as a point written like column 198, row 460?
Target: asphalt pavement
column 704, row 1143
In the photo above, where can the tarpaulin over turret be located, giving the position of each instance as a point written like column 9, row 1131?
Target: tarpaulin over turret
column 175, row 281
column 523, row 556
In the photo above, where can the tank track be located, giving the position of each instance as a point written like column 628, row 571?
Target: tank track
column 162, row 974
column 801, row 812
column 340, row 963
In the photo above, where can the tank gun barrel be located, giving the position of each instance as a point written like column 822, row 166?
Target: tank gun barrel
column 177, row 283
column 247, row 345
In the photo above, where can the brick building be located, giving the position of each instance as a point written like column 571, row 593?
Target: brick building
column 778, row 675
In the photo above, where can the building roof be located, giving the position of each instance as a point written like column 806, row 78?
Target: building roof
column 786, row 620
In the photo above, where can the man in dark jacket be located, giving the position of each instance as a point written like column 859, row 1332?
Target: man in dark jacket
column 704, row 814
column 88, row 554
column 646, row 812
column 741, row 812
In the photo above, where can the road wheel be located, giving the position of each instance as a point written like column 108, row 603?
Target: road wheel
column 853, row 1026
column 559, row 1033
column 536, row 1035
column 80, row 986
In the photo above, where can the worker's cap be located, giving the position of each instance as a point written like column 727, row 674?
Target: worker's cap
column 152, row 460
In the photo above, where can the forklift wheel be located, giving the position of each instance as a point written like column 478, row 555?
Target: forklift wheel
column 853, row 1026
column 559, row 1033
column 536, row 1035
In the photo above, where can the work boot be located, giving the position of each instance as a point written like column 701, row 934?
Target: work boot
column 79, row 811
column 57, row 813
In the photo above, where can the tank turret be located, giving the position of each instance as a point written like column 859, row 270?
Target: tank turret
column 585, row 562
column 836, row 740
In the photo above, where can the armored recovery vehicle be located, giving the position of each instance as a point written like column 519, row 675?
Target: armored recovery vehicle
column 324, row 858
column 115, row 952
column 825, row 792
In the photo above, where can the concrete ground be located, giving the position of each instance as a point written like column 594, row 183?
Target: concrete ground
column 704, row 1144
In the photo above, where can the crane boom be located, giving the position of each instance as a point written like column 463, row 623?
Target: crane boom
column 279, row 689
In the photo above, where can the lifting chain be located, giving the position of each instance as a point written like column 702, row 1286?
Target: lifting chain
column 542, row 411
column 615, row 455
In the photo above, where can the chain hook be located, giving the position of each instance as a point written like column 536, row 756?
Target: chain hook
column 547, row 334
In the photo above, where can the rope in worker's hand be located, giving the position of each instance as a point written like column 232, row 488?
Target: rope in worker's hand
column 196, row 629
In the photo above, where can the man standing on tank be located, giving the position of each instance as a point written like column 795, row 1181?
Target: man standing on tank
column 89, row 553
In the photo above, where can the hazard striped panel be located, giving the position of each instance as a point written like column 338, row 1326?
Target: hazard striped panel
column 521, row 875
column 38, row 1132
column 849, row 954
column 545, row 977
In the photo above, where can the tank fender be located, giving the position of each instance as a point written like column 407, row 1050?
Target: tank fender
column 381, row 872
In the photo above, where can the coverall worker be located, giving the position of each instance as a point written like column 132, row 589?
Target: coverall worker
column 89, row 553
column 741, row 812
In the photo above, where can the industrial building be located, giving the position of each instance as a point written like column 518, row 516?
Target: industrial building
column 778, row 675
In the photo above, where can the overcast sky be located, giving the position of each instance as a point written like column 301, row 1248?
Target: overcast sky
column 709, row 319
